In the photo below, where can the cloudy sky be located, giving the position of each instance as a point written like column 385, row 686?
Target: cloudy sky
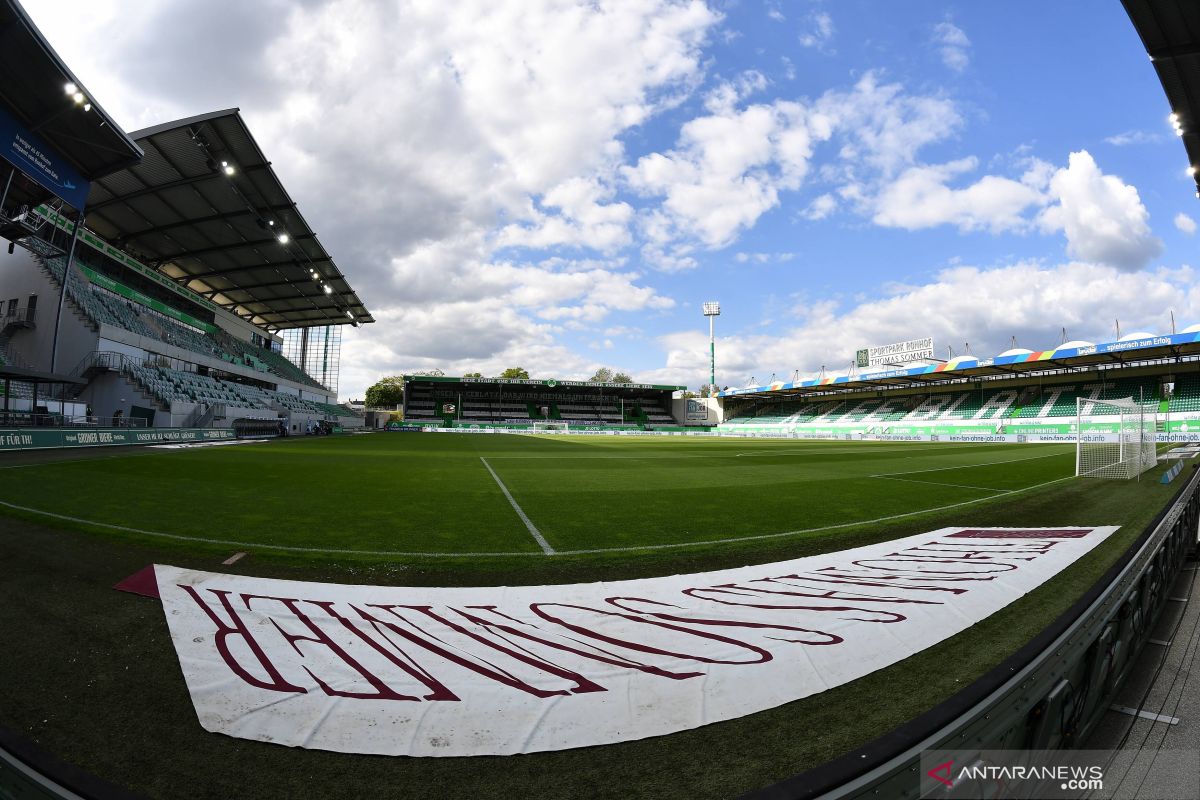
column 559, row 185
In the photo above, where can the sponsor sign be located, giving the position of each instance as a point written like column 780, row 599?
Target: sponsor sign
column 31, row 154
column 423, row 671
column 696, row 410
column 26, row 439
column 897, row 353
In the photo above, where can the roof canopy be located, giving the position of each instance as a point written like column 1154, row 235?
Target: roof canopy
column 1071, row 356
column 32, row 90
column 1170, row 30
column 205, row 208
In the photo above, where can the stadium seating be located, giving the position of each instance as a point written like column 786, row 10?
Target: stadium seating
column 99, row 306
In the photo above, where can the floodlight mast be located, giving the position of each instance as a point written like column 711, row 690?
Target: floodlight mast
column 712, row 309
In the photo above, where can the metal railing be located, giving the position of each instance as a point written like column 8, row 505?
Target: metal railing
column 27, row 419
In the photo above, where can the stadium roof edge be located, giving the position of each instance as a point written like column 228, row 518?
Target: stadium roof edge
column 1093, row 355
column 92, row 141
column 1170, row 32
column 206, row 209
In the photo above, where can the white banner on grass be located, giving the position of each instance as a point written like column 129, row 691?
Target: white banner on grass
column 500, row 670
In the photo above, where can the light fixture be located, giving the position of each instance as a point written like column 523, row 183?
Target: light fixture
column 328, row 288
column 271, row 222
column 283, row 238
column 87, row 106
column 1191, row 171
column 71, row 88
column 78, row 98
column 315, row 276
column 349, row 314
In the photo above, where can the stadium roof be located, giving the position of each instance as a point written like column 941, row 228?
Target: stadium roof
column 1072, row 356
column 1170, row 30
column 205, row 208
column 547, row 382
column 32, row 90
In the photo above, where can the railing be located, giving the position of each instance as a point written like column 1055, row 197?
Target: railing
column 1049, row 695
column 25, row 318
column 25, row 419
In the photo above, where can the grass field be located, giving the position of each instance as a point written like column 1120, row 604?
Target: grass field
column 426, row 510
column 445, row 496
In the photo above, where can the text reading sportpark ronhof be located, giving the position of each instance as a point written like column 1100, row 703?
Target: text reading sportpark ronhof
column 501, row 670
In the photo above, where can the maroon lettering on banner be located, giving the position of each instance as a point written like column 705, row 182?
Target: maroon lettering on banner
column 881, row 582
column 584, row 649
column 986, row 533
column 763, row 655
column 894, row 558
column 239, row 629
column 438, row 690
column 735, row 591
column 826, row 638
column 382, row 690
column 832, row 594
column 893, row 574
column 478, row 666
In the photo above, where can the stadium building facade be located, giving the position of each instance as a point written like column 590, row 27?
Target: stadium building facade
column 157, row 279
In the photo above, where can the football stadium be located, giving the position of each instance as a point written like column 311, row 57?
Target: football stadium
column 912, row 577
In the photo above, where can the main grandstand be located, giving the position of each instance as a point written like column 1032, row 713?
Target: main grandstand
column 525, row 404
column 170, row 308
column 1019, row 395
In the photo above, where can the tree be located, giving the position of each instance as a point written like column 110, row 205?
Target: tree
column 472, row 374
column 687, row 394
column 516, row 373
column 603, row 375
column 621, row 377
column 386, row 393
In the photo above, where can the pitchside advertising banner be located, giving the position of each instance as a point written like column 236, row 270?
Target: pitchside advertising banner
column 502, row 670
column 33, row 439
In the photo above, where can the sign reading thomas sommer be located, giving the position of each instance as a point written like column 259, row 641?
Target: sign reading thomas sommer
column 898, row 353
column 501, row 670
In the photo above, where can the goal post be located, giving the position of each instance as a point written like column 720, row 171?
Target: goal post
column 558, row 427
column 1114, row 439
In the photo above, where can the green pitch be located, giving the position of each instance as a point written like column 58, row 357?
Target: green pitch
column 472, row 496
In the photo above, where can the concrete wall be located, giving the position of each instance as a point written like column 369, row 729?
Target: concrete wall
column 20, row 277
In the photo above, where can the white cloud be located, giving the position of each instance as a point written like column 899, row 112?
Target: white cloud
column 1103, row 217
column 962, row 305
column 953, row 45
column 818, row 31
column 1134, row 137
column 921, row 198
column 1185, row 223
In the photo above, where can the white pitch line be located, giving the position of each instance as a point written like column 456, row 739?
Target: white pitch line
column 940, row 483
column 420, row 554
column 970, row 466
column 533, row 531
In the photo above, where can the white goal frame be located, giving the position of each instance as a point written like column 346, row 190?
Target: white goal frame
column 1122, row 455
column 552, row 427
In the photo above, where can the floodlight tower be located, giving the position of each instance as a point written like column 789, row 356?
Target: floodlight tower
column 712, row 310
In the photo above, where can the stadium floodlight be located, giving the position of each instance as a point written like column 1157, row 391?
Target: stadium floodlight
column 328, row 288
column 71, row 89
column 87, row 106
column 283, row 238
column 78, row 98
column 712, row 309
column 315, row 276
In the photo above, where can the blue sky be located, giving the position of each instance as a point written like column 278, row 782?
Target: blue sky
column 559, row 186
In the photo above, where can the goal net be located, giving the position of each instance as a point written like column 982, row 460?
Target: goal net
column 1113, row 439
column 551, row 426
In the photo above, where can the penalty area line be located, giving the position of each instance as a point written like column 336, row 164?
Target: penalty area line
column 533, row 531
column 940, row 483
